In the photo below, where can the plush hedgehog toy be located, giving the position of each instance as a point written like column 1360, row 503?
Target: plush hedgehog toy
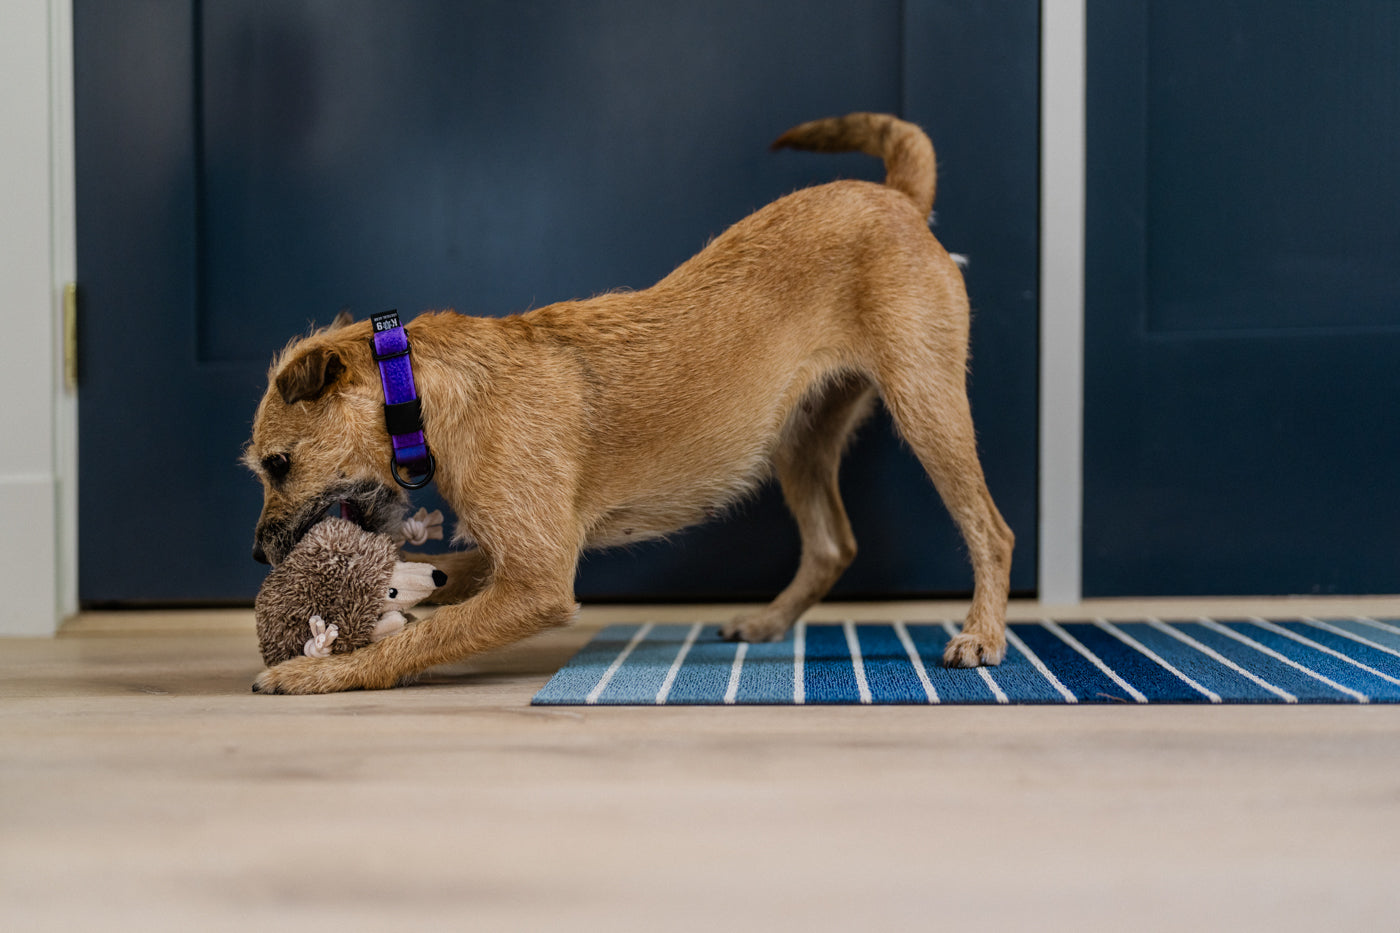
column 342, row 588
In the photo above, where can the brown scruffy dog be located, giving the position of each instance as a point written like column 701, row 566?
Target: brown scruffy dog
column 630, row 415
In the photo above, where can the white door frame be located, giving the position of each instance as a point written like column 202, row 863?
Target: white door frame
column 38, row 555
column 1062, row 88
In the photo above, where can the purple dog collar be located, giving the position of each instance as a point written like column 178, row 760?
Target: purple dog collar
column 403, row 411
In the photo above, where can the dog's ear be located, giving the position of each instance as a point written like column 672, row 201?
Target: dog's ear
column 309, row 375
column 341, row 319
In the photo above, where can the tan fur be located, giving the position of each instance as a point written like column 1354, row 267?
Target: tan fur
column 630, row 415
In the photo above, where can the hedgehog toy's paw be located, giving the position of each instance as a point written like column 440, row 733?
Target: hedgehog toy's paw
column 322, row 636
column 390, row 623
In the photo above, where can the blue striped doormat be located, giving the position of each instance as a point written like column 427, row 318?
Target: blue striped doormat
column 1354, row 660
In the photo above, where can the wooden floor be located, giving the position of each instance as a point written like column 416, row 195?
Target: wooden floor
column 143, row 787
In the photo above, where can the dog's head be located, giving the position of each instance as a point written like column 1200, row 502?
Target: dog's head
column 319, row 443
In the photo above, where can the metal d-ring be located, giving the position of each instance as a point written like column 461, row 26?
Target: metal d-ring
column 413, row 484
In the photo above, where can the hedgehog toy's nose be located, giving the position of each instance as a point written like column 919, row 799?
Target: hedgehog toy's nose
column 439, row 578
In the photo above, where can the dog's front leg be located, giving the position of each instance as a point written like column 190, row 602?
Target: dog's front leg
column 504, row 612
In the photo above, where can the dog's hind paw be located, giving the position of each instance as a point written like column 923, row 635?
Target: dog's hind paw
column 974, row 649
column 754, row 627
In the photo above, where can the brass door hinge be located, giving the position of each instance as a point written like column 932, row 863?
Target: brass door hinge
column 70, row 336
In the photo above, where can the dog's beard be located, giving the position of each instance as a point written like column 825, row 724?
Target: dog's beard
column 373, row 506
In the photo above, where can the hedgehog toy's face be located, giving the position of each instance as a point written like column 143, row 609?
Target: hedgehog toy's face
column 410, row 584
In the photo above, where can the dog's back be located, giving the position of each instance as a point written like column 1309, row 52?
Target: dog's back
column 756, row 326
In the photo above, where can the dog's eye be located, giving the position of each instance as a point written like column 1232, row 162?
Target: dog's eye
column 393, row 593
column 277, row 466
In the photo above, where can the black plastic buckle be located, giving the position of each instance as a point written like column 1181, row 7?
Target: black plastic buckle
column 405, row 417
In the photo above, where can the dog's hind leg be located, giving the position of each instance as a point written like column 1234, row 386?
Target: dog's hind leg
column 925, row 388
column 807, row 462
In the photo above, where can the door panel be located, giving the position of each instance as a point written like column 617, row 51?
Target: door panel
column 1243, row 302
column 247, row 168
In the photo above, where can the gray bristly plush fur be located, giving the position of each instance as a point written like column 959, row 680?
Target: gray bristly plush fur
column 338, row 571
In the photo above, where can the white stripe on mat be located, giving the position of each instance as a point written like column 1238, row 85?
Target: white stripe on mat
column 670, row 680
column 597, row 691
column 1215, row 626
column 1338, row 630
column 1377, row 623
column 1219, row 658
column 857, row 661
column 732, row 690
column 1040, row 666
column 1094, row 659
column 986, row 675
column 799, row 656
column 914, row 659
column 1138, row 646
column 1302, row 640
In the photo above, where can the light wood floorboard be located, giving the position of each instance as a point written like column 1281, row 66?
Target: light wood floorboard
column 142, row 786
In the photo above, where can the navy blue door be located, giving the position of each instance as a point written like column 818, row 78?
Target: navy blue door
column 1243, row 287
column 245, row 168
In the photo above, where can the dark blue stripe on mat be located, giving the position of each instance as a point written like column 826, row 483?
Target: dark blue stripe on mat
column 1378, row 635
column 1188, row 677
column 1273, row 671
column 1229, row 685
column 576, row 680
column 631, row 664
column 641, row 677
column 1076, row 672
column 828, row 676
column 1145, row 675
column 1371, row 657
column 888, row 670
column 768, row 677
column 953, row 686
column 1019, row 678
column 1333, row 668
column 704, row 676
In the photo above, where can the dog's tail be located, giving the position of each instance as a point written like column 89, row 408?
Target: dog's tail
column 908, row 154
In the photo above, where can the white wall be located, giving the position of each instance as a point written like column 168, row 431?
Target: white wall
column 36, row 256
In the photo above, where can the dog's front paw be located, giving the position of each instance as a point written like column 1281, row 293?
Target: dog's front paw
column 297, row 676
column 316, row 675
column 973, row 649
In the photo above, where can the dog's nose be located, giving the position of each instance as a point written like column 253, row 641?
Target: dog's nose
column 439, row 578
column 259, row 554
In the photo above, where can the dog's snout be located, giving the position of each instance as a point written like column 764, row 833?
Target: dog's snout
column 259, row 554
column 439, row 578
